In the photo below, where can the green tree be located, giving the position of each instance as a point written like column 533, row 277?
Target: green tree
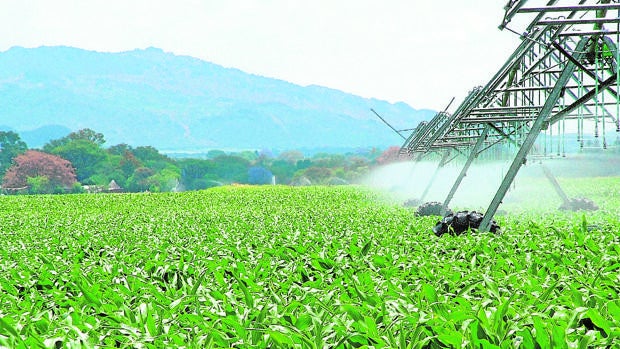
column 317, row 175
column 11, row 146
column 84, row 150
column 231, row 169
column 165, row 180
column 357, row 167
column 83, row 134
column 120, row 149
column 283, row 170
column 39, row 185
column 86, row 156
column 196, row 173
column 291, row 156
column 89, row 135
column 148, row 153
column 152, row 158
column 110, row 169
column 303, row 164
column 247, row 154
column 141, row 180
column 213, row 153
column 129, row 163
column 329, row 160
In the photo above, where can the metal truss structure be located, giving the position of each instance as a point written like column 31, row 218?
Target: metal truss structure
column 563, row 72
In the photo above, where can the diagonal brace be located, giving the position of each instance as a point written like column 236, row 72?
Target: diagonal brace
column 535, row 129
column 474, row 154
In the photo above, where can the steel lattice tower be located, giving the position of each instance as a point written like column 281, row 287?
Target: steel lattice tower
column 564, row 70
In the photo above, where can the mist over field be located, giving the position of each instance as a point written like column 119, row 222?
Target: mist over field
column 408, row 180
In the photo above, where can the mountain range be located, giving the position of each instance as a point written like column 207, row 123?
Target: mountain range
column 171, row 102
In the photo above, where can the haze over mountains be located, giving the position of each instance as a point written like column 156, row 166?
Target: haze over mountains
column 150, row 97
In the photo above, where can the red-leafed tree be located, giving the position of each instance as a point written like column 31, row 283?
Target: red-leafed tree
column 49, row 173
column 390, row 155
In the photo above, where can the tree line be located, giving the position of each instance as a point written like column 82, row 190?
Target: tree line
column 80, row 162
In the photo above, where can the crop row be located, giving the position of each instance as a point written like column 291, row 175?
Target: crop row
column 298, row 267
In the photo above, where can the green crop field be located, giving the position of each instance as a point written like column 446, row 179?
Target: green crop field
column 315, row 267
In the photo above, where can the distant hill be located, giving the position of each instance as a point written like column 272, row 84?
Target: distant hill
column 150, row 97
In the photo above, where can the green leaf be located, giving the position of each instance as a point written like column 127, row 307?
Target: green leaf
column 233, row 322
column 558, row 337
column 452, row 338
column 247, row 296
column 542, row 337
column 379, row 261
column 587, row 339
column 599, row 321
column 584, row 224
column 366, row 248
column 542, row 300
column 42, row 325
column 262, row 314
column 491, row 287
column 128, row 313
column 303, row 322
column 528, row 340
column 371, row 326
column 429, row 293
column 482, row 317
column 87, row 295
column 176, row 303
column 197, row 284
column 353, row 312
column 498, row 317
column 151, row 327
column 468, row 288
column 485, row 344
column 577, row 298
column 474, row 331
column 613, row 267
column 45, row 260
column 613, row 309
column 362, row 296
column 5, row 325
column 280, row 338
column 358, row 340
column 217, row 295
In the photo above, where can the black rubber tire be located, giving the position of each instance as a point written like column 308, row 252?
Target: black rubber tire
column 432, row 208
column 412, row 203
column 461, row 222
column 579, row 204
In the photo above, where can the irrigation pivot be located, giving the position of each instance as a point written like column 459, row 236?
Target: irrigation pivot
column 563, row 75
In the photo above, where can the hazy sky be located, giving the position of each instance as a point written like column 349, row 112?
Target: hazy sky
column 420, row 52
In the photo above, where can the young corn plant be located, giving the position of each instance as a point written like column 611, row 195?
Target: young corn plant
column 314, row 267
